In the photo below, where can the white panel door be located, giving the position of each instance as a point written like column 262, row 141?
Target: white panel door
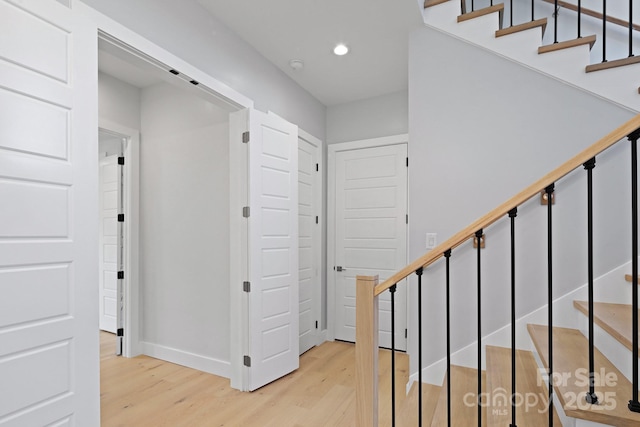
column 273, row 248
column 371, row 233
column 108, row 251
column 49, row 359
column 308, row 241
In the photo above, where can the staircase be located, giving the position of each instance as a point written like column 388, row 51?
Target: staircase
column 573, row 353
column 568, row 60
column 455, row 402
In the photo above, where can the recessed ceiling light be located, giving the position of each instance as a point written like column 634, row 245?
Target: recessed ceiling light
column 341, row 49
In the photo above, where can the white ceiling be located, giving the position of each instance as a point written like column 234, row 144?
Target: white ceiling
column 376, row 32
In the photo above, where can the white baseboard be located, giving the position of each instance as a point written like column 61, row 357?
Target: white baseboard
column 190, row 360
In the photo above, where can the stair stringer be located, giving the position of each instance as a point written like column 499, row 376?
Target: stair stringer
column 617, row 85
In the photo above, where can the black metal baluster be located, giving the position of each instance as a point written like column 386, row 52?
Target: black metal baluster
column 604, row 30
column 549, row 191
column 512, row 214
column 591, row 396
column 479, row 296
column 447, row 256
column 556, row 12
column 511, row 13
column 634, row 405
column 630, row 28
column 419, row 274
column 472, row 6
column 532, row 11
column 392, row 290
column 579, row 18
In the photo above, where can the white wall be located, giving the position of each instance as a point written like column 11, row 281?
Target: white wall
column 184, row 235
column 187, row 30
column 481, row 129
column 118, row 102
column 384, row 115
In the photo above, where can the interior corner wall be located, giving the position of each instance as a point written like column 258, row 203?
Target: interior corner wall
column 184, row 229
column 188, row 31
column 118, row 102
column 481, row 129
column 384, row 115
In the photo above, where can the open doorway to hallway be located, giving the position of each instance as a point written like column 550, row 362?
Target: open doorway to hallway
column 181, row 268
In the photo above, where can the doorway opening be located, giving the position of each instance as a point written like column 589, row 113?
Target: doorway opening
column 173, row 134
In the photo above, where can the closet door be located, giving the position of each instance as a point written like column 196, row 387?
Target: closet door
column 273, row 249
column 49, row 348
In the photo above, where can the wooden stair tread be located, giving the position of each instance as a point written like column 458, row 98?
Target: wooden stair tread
column 532, row 412
column 613, row 64
column 571, row 360
column 590, row 40
column 627, row 277
column 484, row 11
column 463, row 380
column 430, row 3
column 542, row 23
column 408, row 411
column 613, row 318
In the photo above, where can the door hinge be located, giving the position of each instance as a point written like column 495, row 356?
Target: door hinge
column 406, row 219
column 316, row 324
column 121, row 161
column 317, row 167
column 246, row 286
column 247, row 361
column 120, row 217
column 120, row 274
column 317, row 219
column 246, row 212
column 245, row 137
column 406, row 333
column 120, row 332
column 407, row 162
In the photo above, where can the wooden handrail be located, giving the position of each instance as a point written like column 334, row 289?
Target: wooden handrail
column 594, row 14
column 502, row 210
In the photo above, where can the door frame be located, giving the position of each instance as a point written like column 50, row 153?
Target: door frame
column 131, row 284
column 332, row 150
column 320, row 333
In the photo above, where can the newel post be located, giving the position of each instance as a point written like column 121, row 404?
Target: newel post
column 366, row 352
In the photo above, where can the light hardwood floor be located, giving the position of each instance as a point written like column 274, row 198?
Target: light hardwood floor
column 143, row 391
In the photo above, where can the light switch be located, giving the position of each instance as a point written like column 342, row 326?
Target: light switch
column 432, row 240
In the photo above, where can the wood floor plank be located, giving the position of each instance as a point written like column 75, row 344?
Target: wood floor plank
column 531, row 392
column 613, row 318
column 570, row 365
column 143, row 391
